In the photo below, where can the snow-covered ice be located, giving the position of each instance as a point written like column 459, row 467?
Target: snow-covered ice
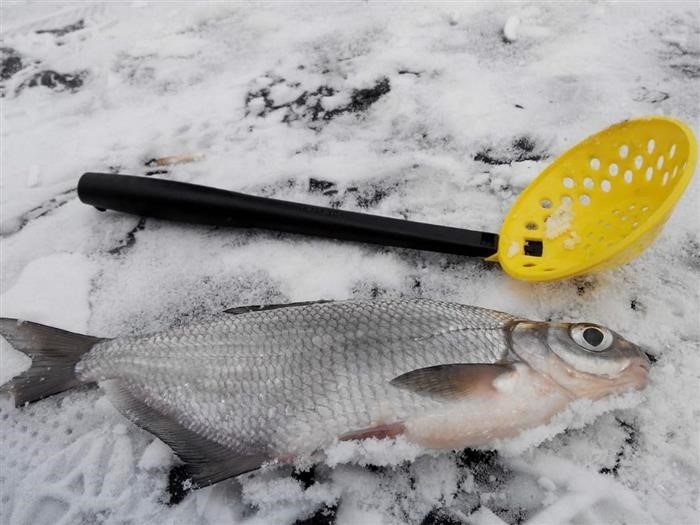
column 439, row 113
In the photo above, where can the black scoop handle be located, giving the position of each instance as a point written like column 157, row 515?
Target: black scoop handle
column 179, row 201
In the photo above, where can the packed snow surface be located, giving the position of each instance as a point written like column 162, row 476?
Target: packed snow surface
column 439, row 113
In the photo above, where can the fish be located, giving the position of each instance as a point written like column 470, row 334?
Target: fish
column 254, row 385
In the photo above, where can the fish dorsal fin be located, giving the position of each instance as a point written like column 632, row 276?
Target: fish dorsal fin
column 205, row 462
column 453, row 381
column 262, row 307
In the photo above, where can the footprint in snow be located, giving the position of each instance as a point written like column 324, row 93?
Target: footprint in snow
column 83, row 483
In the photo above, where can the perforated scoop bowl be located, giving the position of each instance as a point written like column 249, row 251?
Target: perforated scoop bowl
column 601, row 203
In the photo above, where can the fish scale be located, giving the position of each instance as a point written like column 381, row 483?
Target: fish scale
column 325, row 367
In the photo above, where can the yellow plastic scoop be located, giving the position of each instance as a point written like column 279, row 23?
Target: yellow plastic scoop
column 596, row 206
column 601, row 203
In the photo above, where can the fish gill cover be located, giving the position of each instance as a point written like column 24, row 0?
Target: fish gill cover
column 431, row 113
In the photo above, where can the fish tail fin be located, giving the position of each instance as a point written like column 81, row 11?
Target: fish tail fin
column 54, row 354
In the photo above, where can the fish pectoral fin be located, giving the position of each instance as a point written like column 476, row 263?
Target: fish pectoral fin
column 263, row 307
column 205, row 462
column 389, row 430
column 453, row 381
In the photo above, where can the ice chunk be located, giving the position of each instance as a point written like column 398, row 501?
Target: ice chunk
column 284, row 94
column 510, row 29
column 335, row 101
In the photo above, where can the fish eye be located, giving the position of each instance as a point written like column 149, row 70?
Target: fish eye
column 592, row 338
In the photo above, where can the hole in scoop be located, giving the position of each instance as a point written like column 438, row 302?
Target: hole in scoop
column 660, row 162
column 566, row 200
column 548, row 269
column 584, row 199
column 529, row 265
column 675, row 172
column 546, row 203
column 638, row 161
column 664, row 180
column 588, row 183
column 613, row 169
column 628, row 176
column 649, row 173
column 533, row 248
column 624, row 151
column 651, row 145
column 568, row 182
column 672, row 151
column 595, row 164
column 531, row 226
column 645, row 208
column 605, row 185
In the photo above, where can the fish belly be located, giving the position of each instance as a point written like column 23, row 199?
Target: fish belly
column 521, row 400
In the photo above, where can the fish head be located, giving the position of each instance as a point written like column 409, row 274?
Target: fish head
column 588, row 360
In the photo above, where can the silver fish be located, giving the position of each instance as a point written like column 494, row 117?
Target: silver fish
column 253, row 384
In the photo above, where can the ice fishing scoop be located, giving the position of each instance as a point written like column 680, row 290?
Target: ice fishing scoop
column 596, row 206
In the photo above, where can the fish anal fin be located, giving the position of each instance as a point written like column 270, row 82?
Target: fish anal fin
column 205, row 462
column 453, row 381
column 389, row 430
column 263, row 307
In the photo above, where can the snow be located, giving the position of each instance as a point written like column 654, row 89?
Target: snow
column 480, row 98
column 510, row 29
column 372, row 452
column 12, row 362
column 483, row 516
column 156, row 456
column 559, row 222
column 52, row 290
